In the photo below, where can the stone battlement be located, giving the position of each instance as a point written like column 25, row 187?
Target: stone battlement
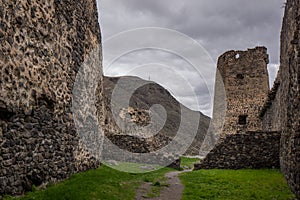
column 259, row 52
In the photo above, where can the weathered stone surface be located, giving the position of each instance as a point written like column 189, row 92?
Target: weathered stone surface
column 282, row 110
column 42, row 47
column 244, row 150
column 245, row 78
column 270, row 113
column 280, row 113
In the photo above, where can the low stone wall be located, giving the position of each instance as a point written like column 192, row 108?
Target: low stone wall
column 125, row 148
column 244, row 150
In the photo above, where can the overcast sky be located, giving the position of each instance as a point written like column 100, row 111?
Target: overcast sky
column 217, row 25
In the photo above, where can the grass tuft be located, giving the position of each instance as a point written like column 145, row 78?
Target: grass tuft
column 188, row 163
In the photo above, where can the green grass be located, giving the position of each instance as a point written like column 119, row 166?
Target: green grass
column 106, row 183
column 188, row 163
column 235, row 184
column 103, row 183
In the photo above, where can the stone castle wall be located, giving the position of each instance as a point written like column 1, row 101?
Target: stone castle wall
column 270, row 113
column 279, row 115
column 282, row 110
column 290, row 95
column 43, row 45
column 246, row 85
column 254, row 150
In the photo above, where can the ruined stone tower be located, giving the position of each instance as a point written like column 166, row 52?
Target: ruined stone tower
column 278, row 144
column 42, row 47
column 243, row 144
column 245, row 78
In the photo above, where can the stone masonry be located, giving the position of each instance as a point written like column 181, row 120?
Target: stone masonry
column 245, row 150
column 282, row 110
column 242, row 143
column 245, row 78
column 279, row 116
column 43, row 45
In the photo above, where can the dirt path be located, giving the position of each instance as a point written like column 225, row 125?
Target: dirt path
column 173, row 191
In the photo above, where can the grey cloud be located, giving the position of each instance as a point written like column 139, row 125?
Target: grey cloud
column 218, row 25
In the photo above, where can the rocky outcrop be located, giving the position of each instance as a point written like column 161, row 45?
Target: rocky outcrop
column 43, row 47
column 135, row 122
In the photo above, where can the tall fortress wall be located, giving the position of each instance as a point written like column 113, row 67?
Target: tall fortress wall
column 282, row 108
column 43, row 45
